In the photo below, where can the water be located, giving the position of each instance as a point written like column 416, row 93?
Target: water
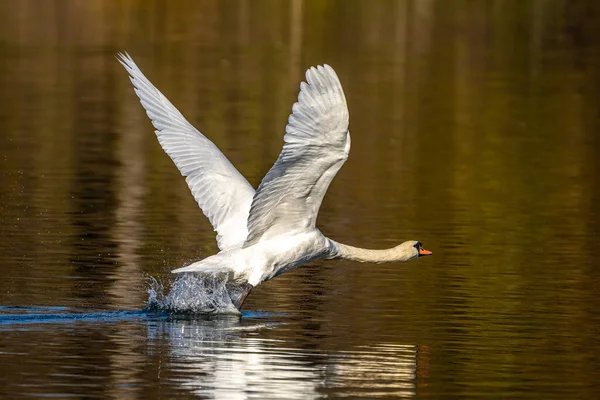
column 475, row 130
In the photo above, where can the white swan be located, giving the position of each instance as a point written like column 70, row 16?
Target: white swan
column 265, row 233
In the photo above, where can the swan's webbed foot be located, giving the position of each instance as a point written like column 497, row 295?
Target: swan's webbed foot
column 238, row 292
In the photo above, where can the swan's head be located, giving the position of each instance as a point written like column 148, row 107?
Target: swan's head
column 413, row 249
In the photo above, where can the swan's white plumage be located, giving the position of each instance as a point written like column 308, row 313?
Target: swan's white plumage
column 222, row 193
column 265, row 233
column 316, row 145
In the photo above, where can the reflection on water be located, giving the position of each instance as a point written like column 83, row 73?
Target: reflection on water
column 219, row 360
column 222, row 357
column 475, row 130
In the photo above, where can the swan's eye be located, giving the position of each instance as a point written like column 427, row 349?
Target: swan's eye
column 417, row 245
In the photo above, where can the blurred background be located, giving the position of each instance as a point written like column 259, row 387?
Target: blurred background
column 475, row 129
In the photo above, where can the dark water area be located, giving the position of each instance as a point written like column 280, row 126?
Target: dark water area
column 475, row 129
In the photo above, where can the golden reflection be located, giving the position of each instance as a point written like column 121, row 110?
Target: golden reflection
column 131, row 192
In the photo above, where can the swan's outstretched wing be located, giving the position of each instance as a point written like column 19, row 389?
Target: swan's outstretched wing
column 317, row 143
column 222, row 193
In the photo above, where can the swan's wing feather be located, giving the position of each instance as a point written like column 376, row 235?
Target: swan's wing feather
column 316, row 145
column 222, row 193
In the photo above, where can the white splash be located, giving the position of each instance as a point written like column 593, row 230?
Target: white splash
column 192, row 293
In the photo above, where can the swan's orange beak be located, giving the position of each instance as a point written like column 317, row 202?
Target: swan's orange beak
column 423, row 252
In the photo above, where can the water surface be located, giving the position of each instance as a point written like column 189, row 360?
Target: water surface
column 475, row 129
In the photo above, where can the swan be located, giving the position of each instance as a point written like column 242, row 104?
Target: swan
column 264, row 233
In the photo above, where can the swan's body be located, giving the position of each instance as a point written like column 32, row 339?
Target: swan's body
column 264, row 233
column 274, row 256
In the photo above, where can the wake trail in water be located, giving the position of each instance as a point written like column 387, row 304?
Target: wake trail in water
column 15, row 315
column 192, row 293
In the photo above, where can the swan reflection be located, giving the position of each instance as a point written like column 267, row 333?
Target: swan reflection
column 220, row 358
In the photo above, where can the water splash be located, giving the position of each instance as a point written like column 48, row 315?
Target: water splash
column 193, row 293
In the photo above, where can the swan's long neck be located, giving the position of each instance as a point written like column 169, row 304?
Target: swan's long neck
column 339, row 250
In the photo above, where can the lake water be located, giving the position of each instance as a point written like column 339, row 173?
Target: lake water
column 475, row 129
